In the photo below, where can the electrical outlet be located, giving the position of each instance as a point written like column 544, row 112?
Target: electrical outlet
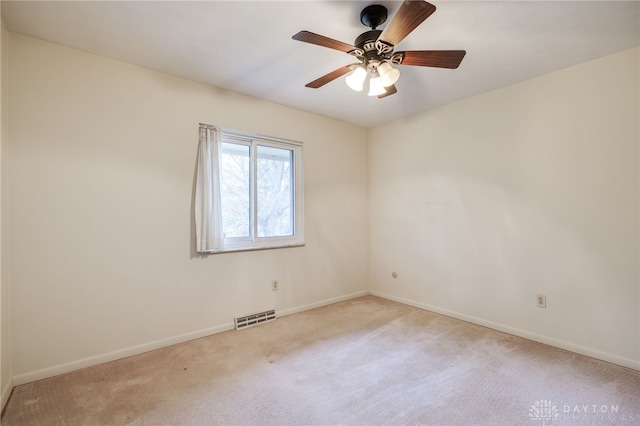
column 541, row 301
column 274, row 285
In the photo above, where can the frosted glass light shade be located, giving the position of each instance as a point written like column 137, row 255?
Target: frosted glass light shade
column 376, row 88
column 388, row 74
column 355, row 80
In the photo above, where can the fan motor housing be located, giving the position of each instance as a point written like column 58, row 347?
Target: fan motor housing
column 369, row 36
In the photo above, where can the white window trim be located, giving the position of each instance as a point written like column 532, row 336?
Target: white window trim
column 264, row 243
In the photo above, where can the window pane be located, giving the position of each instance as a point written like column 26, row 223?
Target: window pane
column 274, row 191
column 235, row 175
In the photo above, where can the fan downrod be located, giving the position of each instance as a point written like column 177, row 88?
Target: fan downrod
column 373, row 16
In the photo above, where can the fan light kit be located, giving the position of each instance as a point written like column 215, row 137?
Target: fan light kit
column 374, row 49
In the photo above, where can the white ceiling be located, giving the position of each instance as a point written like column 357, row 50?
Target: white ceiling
column 246, row 46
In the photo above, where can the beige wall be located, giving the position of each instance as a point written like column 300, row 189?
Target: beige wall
column 478, row 206
column 482, row 204
column 6, row 382
column 102, row 158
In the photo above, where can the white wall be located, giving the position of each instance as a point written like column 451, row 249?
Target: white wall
column 533, row 188
column 101, row 169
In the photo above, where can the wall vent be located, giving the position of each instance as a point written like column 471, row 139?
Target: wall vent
column 255, row 319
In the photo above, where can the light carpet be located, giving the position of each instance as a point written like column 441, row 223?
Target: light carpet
column 366, row 361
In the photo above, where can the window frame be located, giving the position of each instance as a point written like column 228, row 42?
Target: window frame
column 253, row 241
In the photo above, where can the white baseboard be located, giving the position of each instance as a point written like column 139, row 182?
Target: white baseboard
column 321, row 303
column 146, row 347
column 112, row 356
column 590, row 352
column 6, row 393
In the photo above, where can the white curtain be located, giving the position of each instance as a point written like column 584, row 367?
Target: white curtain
column 208, row 213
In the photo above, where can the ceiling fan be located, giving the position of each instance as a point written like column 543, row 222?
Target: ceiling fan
column 374, row 49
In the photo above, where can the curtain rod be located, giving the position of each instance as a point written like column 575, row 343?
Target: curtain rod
column 241, row 133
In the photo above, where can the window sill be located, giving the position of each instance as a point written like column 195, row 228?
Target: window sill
column 241, row 249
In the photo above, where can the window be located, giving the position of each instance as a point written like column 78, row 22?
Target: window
column 257, row 198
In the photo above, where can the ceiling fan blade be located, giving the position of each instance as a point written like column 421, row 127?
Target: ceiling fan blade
column 317, row 39
column 389, row 91
column 328, row 78
column 410, row 14
column 433, row 58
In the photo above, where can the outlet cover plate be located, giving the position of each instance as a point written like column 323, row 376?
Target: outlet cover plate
column 541, row 300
